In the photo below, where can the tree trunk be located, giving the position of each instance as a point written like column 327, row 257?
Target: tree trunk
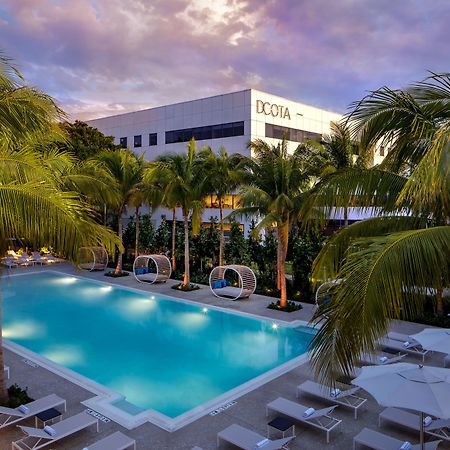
column 283, row 239
column 174, row 236
column 222, row 234
column 136, row 245
column 279, row 257
column 345, row 216
column 440, row 301
column 119, row 258
column 3, row 390
column 187, row 277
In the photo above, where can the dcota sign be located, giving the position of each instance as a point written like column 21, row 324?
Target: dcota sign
column 272, row 109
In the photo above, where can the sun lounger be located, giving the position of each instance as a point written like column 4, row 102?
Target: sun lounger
column 39, row 260
column 401, row 337
column 346, row 398
column 413, row 348
column 9, row 262
column 438, row 427
column 249, row 440
column 38, row 438
column 380, row 358
column 9, row 416
column 447, row 361
column 319, row 419
column 379, row 441
column 115, row 441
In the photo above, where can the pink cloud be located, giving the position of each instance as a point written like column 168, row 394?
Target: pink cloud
column 104, row 56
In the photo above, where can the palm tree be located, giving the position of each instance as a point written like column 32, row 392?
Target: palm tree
column 388, row 263
column 28, row 116
column 184, row 184
column 34, row 204
column 224, row 174
column 336, row 152
column 127, row 170
column 275, row 193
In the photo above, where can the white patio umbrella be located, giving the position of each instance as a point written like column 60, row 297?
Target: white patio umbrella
column 434, row 339
column 421, row 388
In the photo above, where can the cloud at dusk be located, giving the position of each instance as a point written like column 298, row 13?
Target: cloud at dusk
column 101, row 57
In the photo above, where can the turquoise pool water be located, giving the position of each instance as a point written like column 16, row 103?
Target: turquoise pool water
column 160, row 353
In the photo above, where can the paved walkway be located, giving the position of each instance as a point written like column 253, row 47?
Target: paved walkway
column 249, row 411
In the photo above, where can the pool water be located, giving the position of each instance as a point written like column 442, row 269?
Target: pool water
column 160, row 353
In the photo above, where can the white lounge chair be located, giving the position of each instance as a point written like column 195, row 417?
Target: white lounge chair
column 9, row 262
column 410, row 347
column 249, row 440
column 9, row 416
column 401, row 337
column 53, row 259
column 346, row 398
column 379, row 441
column 115, row 441
column 6, row 370
column 319, row 419
column 37, row 258
column 37, row 438
column 438, row 427
column 380, row 358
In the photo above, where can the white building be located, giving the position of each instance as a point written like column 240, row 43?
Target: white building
column 228, row 120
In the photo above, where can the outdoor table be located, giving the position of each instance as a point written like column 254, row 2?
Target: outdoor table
column 48, row 416
column 281, row 424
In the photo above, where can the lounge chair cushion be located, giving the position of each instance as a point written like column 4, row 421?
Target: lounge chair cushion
column 24, row 409
column 49, row 430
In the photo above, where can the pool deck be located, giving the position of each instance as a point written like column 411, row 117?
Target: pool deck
column 249, row 410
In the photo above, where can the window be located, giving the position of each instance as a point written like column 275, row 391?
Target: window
column 218, row 131
column 153, row 139
column 123, row 142
column 290, row 134
column 137, row 141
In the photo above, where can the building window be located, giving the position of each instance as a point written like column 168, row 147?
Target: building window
column 153, row 139
column 218, row 131
column 123, row 142
column 291, row 134
column 138, row 141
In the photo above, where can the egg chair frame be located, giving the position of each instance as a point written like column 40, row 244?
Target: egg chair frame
column 93, row 258
column 141, row 269
column 246, row 282
column 325, row 287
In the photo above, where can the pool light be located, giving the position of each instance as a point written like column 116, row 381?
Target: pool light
column 106, row 288
column 205, row 310
column 274, row 326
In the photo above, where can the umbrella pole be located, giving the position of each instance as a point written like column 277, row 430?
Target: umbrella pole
column 422, row 444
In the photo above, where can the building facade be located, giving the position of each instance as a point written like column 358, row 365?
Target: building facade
column 228, row 120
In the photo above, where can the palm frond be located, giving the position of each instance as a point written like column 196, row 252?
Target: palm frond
column 383, row 280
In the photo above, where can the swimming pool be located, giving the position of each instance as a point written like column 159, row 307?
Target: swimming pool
column 158, row 353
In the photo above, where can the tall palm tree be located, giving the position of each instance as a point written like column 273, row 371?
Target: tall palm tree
column 127, row 170
column 35, row 203
column 275, row 192
column 224, row 173
column 335, row 152
column 184, row 184
column 388, row 263
column 28, row 116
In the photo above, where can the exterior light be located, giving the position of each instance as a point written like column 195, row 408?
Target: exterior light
column 275, row 326
column 205, row 310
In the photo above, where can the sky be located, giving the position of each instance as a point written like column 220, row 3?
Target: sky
column 104, row 57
